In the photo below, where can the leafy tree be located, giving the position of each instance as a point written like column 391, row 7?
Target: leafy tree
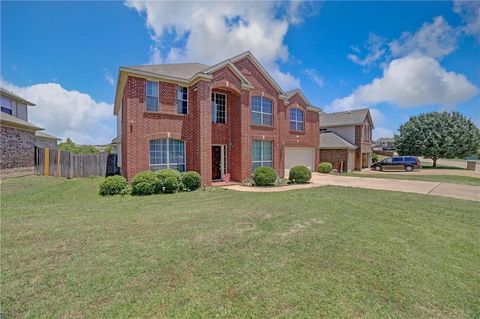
column 109, row 149
column 438, row 135
column 70, row 146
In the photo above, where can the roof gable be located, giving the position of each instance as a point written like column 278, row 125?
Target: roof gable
column 297, row 92
column 345, row 118
column 330, row 140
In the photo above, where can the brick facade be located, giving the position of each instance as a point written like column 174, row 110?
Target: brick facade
column 336, row 157
column 199, row 133
column 17, row 152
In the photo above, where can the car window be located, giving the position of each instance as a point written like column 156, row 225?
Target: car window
column 387, row 160
column 410, row 159
column 397, row 159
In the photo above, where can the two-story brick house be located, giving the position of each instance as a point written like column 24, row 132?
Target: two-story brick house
column 346, row 139
column 228, row 118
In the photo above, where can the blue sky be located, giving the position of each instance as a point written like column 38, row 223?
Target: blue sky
column 398, row 58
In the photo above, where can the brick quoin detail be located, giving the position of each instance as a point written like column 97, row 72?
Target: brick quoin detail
column 199, row 133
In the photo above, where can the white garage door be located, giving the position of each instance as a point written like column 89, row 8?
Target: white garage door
column 299, row 156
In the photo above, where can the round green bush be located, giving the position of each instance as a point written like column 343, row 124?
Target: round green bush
column 145, row 183
column 300, row 174
column 264, row 176
column 191, row 181
column 162, row 176
column 325, row 167
column 113, row 185
column 170, row 185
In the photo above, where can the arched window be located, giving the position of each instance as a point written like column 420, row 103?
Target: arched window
column 296, row 120
column 167, row 153
column 262, row 111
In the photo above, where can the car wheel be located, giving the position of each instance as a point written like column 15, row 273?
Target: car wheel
column 378, row 168
column 408, row 168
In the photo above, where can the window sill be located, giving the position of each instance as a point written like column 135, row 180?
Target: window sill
column 164, row 113
column 297, row 132
column 262, row 126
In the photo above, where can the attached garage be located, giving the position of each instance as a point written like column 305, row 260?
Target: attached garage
column 299, row 156
column 337, row 151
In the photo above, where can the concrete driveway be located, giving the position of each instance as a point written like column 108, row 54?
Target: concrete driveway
column 459, row 191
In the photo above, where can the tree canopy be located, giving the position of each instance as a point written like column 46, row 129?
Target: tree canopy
column 70, row 146
column 438, row 135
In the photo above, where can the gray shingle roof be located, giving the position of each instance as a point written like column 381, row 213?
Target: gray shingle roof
column 45, row 135
column 352, row 117
column 8, row 120
column 330, row 140
column 182, row 71
column 385, row 139
column 15, row 97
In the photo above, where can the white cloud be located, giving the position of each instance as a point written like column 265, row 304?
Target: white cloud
column 470, row 13
column 436, row 39
column 315, row 77
column 66, row 113
column 108, row 77
column 411, row 81
column 209, row 32
column 376, row 47
column 379, row 132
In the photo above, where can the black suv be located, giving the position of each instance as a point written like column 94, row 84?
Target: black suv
column 396, row 163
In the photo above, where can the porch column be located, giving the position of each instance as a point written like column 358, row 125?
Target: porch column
column 205, row 126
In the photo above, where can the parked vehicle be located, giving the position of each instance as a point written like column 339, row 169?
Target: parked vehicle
column 407, row 163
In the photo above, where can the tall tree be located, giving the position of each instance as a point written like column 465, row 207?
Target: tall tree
column 438, row 135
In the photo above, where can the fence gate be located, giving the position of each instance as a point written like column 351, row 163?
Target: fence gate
column 53, row 162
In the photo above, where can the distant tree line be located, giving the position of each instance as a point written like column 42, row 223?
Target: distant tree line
column 70, row 146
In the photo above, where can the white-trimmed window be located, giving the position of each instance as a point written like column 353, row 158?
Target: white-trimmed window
column 167, row 153
column 182, row 100
column 152, row 96
column 262, row 111
column 296, row 119
column 219, row 107
column 262, row 154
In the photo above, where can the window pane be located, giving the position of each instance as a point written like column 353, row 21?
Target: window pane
column 256, row 118
column 256, row 104
column 255, row 165
column 269, row 164
column 257, row 150
column 267, row 106
column 300, row 126
column 267, row 119
column 293, row 125
column 152, row 103
column 267, row 151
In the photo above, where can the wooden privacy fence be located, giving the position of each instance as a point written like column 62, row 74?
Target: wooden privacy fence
column 52, row 162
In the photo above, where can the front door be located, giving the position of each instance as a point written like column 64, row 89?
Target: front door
column 216, row 162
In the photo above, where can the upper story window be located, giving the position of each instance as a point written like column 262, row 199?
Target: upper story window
column 167, row 153
column 152, row 96
column 182, row 100
column 6, row 105
column 262, row 154
column 262, row 111
column 367, row 132
column 219, row 108
column 296, row 120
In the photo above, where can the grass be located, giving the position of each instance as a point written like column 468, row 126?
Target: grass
column 454, row 179
column 428, row 166
column 321, row 252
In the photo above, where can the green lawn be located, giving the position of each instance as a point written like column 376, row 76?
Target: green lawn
column 322, row 252
column 455, row 179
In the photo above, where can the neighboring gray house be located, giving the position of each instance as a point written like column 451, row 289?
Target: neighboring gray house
column 385, row 143
column 346, row 139
column 18, row 136
column 43, row 140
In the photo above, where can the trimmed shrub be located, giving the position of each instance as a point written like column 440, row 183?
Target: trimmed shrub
column 113, row 185
column 163, row 175
column 300, row 174
column 325, row 167
column 145, row 183
column 170, row 185
column 264, row 176
column 191, row 181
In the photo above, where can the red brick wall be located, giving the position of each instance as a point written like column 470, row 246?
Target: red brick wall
column 197, row 131
column 335, row 157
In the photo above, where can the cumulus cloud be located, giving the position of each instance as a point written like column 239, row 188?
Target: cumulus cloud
column 108, row 77
column 314, row 76
column 376, row 48
column 411, row 81
column 436, row 39
column 65, row 113
column 470, row 13
column 209, row 32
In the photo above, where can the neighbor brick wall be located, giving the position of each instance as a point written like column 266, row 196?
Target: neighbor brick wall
column 335, row 157
column 17, row 151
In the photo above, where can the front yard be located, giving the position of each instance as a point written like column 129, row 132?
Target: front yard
column 320, row 252
column 454, row 179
